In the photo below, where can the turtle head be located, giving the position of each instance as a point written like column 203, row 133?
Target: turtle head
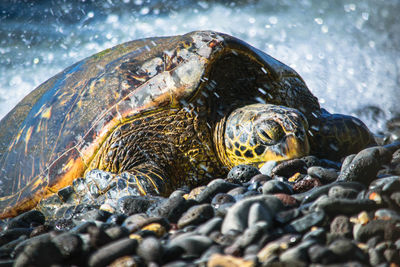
column 257, row 133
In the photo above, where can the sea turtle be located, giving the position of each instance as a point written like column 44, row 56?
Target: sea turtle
column 167, row 111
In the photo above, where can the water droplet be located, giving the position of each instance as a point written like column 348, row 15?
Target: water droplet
column 273, row 20
column 252, row 20
column 35, row 60
column 319, row 21
column 90, row 14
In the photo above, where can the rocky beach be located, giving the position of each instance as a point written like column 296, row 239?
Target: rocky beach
column 301, row 212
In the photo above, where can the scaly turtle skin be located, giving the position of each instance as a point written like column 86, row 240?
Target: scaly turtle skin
column 165, row 111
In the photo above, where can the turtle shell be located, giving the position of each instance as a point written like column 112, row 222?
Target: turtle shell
column 51, row 136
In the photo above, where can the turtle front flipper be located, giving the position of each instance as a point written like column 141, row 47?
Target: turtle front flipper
column 148, row 179
column 333, row 136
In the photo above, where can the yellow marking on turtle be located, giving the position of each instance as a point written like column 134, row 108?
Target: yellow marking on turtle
column 27, row 137
column 46, row 113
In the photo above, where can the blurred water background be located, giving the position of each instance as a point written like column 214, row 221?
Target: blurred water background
column 348, row 52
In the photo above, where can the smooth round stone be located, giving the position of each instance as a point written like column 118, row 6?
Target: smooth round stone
column 26, row 220
column 107, row 254
column 387, row 214
column 266, row 169
column 286, row 216
column 336, row 206
column 298, row 253
column 41, row 229
column 252, row 234
column 12, row 234
column 237, row 217
column 274, row 186
column 213, row 249
column 306, row 184
column 242, row 173
column 260, row 179
column 303, row 224
column 196, row 215
column 321, row 254
column 39, row 252
column 117, row 219
column 135, row 219
column 172, row 208
column 317, row 234
column 237, row 191
column 365, row 165
column 193, row 245
column 287, row 200
column 345, row 250
column 220, row 260
column 386, row 229
column 323, row 174
column 70, row 245
column 151, row 250
column 117, row 232
column 386, row 184
column 289, row 168
column 213, row 188
column 98, row 237
column 341, row 226
column 222, row 198
column 210, row 226
column 341, row 192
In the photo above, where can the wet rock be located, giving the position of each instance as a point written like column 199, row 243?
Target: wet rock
column 272, row 249
column 117, row 232
column 341, row 226
column 70, row 245
column 151, row 250
column 82, row 227
column 365, row 165
column 323, row 174
column 219, row 260
column 193, row 245
column 40, row 252
column 387, row 214
column 287, row 200
column 336, row 206
column 134, row 204
column 213, row 188
column 117, row 219
column 260, row 179
column 287, row 215
column 321, row 254
column 98, row 237
column 238, row 214
column 267, row 168
column 341, row 192
column 26, row 220
column 316, row 192
column 289, row 168
column 107, row 254
column 12, row 234
column 258, row 213
column 306, row 184
column 316, row 233
column 172, row 208
column 196, row 215
column 238, row 191
column 222, row 198
column 252, row 234
column 274, row 186
column 386, row 229
column 346, row 250
column 242, row 173
column 304, row 223
column 297, row 254
column 210, row 226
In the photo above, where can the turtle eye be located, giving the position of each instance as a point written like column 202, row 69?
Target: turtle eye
column 270, row 132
